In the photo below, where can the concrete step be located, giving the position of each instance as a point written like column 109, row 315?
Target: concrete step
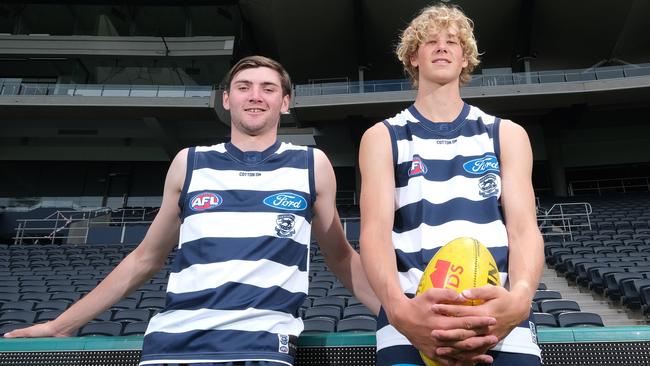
column 612, row 313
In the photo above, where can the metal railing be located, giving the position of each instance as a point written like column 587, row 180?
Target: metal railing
column 15, row 87
column 562, row 219
column 314, row 88
column 600, row 186
column 74, row 226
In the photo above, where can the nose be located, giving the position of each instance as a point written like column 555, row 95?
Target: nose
column 441, row 47
column 255, row 94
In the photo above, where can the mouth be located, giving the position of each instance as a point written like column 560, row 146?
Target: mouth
column 441, row 61
column 254, row 110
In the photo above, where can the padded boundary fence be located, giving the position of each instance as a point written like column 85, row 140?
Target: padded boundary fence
column 560, row 347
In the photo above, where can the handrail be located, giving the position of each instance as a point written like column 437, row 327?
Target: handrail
column 17, row 87
column 621, row 185
column 556, row 221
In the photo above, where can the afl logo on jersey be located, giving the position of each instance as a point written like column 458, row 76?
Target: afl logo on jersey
column 417, row 166
column 286, row 201
column 481, row 165
column 205, row 200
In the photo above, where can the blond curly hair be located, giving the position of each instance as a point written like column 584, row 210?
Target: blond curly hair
column 430, row 21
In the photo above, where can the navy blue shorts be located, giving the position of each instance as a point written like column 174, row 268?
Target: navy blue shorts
column 236, row 363
column 409, row 356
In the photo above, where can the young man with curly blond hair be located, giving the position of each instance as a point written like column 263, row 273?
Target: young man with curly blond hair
column 439, row 170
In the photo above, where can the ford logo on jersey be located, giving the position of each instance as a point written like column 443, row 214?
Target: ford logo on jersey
column 286, row 201
column 204, row 201
column 482, row 165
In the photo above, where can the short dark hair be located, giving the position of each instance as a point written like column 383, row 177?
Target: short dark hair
column 252, row 62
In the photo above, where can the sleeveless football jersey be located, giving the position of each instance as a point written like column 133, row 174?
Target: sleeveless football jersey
column 241, row 270
column 447, row 185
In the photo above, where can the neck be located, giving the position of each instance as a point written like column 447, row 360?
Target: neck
column 246, row 142
column 440, row 103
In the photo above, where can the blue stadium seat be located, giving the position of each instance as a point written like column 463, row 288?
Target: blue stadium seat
column 357, row 324
column 544, row 320
column 135, row 328
column 105, row 328
column 556, row 306
column 319, row 325
column 577, row 319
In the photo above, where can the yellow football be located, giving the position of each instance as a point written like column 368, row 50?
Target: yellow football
column 460, row 264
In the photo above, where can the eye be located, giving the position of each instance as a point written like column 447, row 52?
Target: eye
column 242, row 88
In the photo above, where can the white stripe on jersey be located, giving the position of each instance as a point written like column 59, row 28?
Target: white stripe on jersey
column 286, row 146
column 440, row 192
column 238, row 225
column 475, row 113
column 219, row 180
column 252, row 320
column 472, row 146
column 429, row 237
column 221, row 148
column 262, row 273
column 388, row 336
column 513, row 342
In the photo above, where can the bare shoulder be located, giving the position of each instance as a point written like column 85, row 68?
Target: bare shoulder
column 376, row 133
column 511, row 130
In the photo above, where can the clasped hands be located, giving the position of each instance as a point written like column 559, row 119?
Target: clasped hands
column 438, row 324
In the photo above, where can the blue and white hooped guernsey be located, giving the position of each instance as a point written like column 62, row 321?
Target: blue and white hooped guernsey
column 241, row 270
column 447, row 185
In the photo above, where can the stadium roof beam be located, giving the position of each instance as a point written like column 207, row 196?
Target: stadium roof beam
column 204, row 46
column 522, row 51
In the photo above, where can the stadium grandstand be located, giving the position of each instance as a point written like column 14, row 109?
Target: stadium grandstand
column 96, row 97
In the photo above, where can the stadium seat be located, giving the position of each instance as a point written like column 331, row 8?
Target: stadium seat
column 579, row 318
column 356, row 311
column 8, row 327
column 544, row 320
column 356, row 324
column 17, row 305
column 131, row 315
column 135, row 328
column 556, row 306
column 318, row 325
column 153, row 303
column 18, row 316
column 333, row 312
column 330, row 301
column 52, row 305
column 105, row 328
column 46, row 315
column 339, row 291
column 541, row 295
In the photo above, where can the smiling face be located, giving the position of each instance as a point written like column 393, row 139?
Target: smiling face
column 439, row 58
column 255, row 100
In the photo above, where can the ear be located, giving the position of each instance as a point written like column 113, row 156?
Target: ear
column 413, row 59
column 225, row 100
column 286, row 100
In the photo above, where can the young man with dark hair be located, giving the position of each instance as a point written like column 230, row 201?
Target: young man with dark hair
column 241, row 214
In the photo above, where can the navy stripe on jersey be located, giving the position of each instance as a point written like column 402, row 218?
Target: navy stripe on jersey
column 213, row 159
column 418, row 129
column 410, row 216
column 312, row 179
column 206, row 250
column 406, row 261
column 192, row 346
column 237, row 296
column 440, row 170
column 249, row 201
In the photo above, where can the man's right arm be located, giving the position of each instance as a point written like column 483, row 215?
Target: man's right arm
column 136, row 268
column 414, row 318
